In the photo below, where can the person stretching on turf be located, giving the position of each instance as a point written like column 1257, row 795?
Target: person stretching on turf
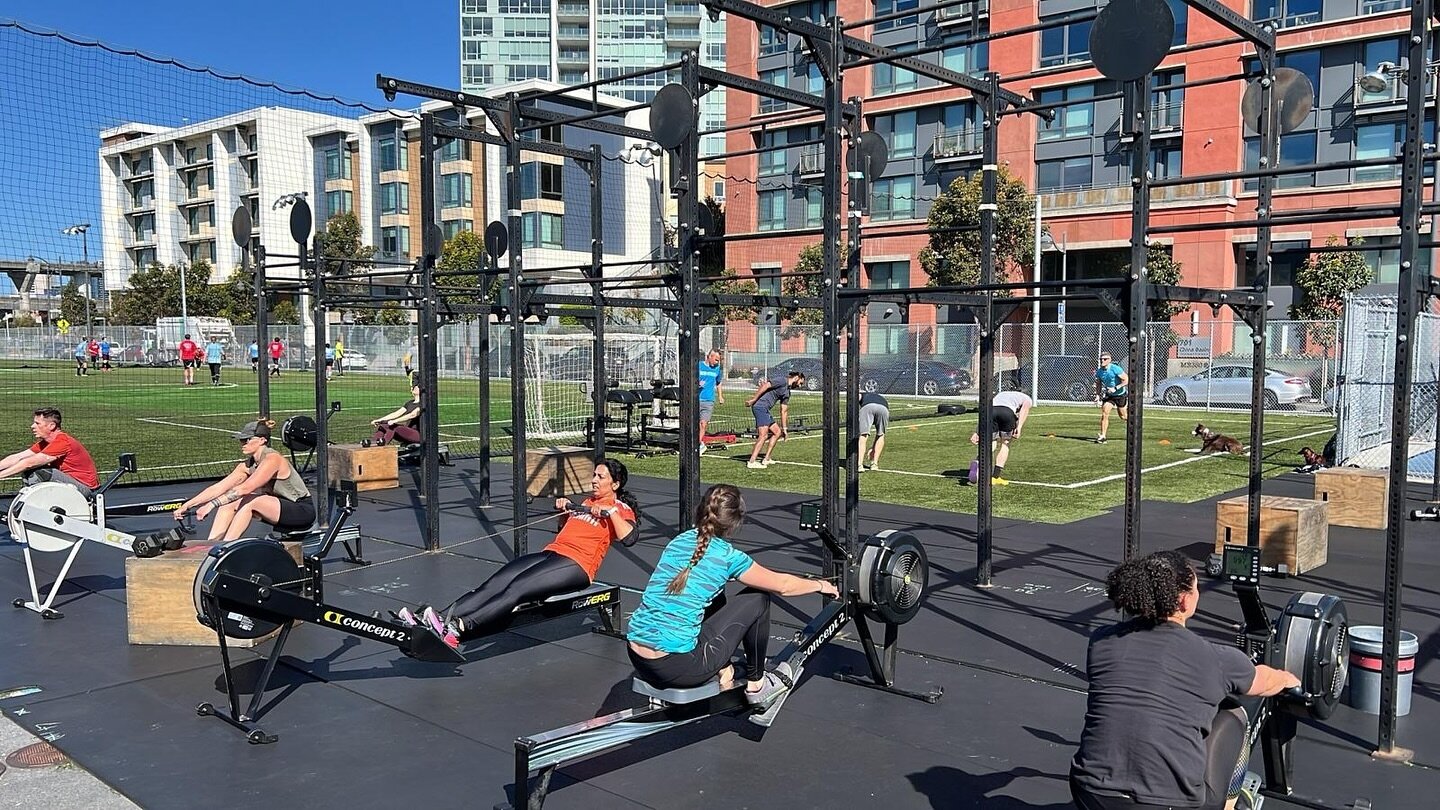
column 565, row 566
column 55, row 456
column 684, row 631
column 1008, row 412
column 401, row 422
column 264, row 486
column 874, row 413
column 1110, row 393
column 771, row 392
column 1157, row 733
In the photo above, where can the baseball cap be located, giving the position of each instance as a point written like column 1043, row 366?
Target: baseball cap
column 253, row 429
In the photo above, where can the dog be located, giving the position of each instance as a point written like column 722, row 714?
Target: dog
column 1314, row 462
column 1212, row 442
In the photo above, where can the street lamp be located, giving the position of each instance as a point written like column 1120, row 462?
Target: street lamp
column 1048, row 243
column 83, row 230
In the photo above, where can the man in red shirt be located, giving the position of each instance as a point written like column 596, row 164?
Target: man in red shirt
column 55, row 456
column 189, row 357
column 276, row 349
column 93, row 349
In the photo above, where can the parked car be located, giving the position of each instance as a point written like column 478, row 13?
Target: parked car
column 1062, row 376
column 1230, row 385
column 812, row 367
column 622, row 366
column 908, row 376
column 355, row 361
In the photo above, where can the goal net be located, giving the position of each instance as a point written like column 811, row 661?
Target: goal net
column 560, row 376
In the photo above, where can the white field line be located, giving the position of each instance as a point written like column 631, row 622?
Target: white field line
column 1079, row 484
column 183, row 425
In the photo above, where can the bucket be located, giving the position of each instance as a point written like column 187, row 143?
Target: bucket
column 1366, row 650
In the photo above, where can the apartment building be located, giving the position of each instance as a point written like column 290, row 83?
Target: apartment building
column 1078, row 163
column 577, row 41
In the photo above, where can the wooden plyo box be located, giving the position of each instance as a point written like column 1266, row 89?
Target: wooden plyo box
column 1356, row 497
column 1293, row 531
column 369, row 467
column 557, row 471
column 160, row 594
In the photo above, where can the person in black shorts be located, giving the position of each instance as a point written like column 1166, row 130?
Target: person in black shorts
column 874, row 413
column 1111, row 393
column 264, row 486
column 1158, row 730
column 1008, row 412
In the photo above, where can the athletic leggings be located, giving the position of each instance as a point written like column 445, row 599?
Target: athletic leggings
column 1223, row 748
column 385, row 431
column 527, row 578
column 744, row 618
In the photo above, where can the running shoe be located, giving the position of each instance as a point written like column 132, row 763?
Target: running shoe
column 874, row 467
column 755, row 465
column 767, row 462
column 999, row 482
column 1100, row 439
column 432, row 620
column 771, row 695
column 406, row 617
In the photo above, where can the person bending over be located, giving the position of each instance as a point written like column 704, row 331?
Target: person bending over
column 684, row 630
column 264, row 486
column 874, row 414
column 55, row 456
column 1008, row 412
column 400, row 423
column 1155, row 733
column 565, row 566
column 772, row 392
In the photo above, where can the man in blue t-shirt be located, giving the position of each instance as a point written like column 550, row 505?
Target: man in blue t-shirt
column 214, row 356
column 105, row 354
column 711, row 377
column 772, row 392
column 1111, row 392
column 80, row 352
column 254, row 357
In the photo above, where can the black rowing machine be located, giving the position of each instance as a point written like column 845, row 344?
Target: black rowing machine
column 248, row 588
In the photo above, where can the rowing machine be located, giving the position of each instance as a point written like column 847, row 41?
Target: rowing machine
column 52, row 516
column 248, row 588
column 887, row 581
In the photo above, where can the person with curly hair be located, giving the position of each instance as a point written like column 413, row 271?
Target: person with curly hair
column 684, row 630
column 263, row 486
column 1159, row 732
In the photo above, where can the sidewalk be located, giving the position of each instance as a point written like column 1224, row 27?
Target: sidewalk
column 58, row 787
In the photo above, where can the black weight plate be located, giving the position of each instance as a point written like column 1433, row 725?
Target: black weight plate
column 869, row 155
column 893, row 576
column 300, row 433
column 1294, row 99
column 241, row 225
column 245, row 559
column 1313, row 635
column 1131, row 37
column 300, row 221
column 672, row 115
column 497, row 239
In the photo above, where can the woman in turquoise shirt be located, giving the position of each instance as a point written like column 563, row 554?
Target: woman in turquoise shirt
column 684, row 631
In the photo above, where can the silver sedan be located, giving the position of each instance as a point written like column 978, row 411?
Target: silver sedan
column 1230, row 385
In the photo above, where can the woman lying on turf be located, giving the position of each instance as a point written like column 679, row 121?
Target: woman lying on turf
column 565, row 566
column 263, row 486
column 685, row 630
column 1155, row 732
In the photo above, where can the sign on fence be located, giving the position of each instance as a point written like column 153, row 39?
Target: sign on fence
column 1192, row 348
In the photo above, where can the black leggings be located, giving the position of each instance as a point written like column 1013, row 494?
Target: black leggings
column 744, row 617
column 527, row 578
column 1223, row 749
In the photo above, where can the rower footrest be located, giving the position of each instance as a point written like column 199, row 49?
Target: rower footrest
column 692, row 694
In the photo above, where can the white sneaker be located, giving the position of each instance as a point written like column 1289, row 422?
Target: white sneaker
column 702, row 448
column 754, row 465
column 767, row 462
column 874, row 467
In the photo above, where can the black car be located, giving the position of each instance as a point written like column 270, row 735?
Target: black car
column 1062, row 376
column 812, row 367
column 908, row 376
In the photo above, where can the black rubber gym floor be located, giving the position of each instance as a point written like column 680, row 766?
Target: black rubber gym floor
column 360, row 725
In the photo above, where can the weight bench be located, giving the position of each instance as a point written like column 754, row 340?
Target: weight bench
column 605, row 599
column 667, row 709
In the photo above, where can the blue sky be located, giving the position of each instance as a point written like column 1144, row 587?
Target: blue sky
column 57, row 96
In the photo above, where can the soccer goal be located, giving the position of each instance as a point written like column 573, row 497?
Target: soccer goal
column 560, row 376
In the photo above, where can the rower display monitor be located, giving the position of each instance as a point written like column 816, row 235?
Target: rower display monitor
column 1242, row 564
column 810, row 516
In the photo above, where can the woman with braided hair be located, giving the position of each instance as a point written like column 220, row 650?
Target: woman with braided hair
column 567, row 565
column 684, row 630
column 263, row 486
column 1158, row 732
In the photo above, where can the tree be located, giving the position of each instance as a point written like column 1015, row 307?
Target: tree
column 954, row 258
column 1161, row 269
column 712, row 254
column 285, row 314
column 733, row 284
column 154, row 293
column 237, row 297
column 342, row 245
column 464, row 253
column 1324, row 280
column 72, row 305
column 23, row 321
column 807, row 281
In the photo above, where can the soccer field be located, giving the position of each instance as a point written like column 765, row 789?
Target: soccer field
column 1057, row 472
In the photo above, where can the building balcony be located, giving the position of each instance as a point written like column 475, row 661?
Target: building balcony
column 135, row 241
column 812, row 160
column 682, row 33
column 199, row 162
column 682, row 11
column 1120, row 196
column 958, row 144
column 573, row 11
column 1167, row 117
column 204, row 196
column 141, row 206
column 572, row 56
column 202, row 234
column 135, row 175
column 953, row 15
column 572, row 33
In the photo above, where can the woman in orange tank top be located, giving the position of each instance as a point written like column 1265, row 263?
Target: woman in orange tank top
column 565, row 566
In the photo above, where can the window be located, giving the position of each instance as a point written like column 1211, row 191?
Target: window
column 394, row 198
column 770, row 211
column 477, row 26
column 545, row 134
column 337, row 163
column 814, row 207
column 1380, row 6
column 477, row 75
column 1286, row 13
column 1378, row 141
column 777, row 78
column 524, row 6
column 1307, row 62
column 395, row 241
column 1072, row 121
column 542, row 230
column 892, row 198
column 960, row 132
column 814, row 82
column 541, row 181
column 1165, row 162
column 455, row 190
column 890, row 6
column 1372, row 54
column 889, row 275
column 717, row 190
column 772, row 40
column 201, row 251
column 1385, row 262
column 1296, row 149
column 454, row 149
column 1069, row 174
column 142, row 195
column 390, row 153
column 1166, row 104
column 339, row 202
column 520, row 73
column 450, row 227
column 970, row 58
column 474, row 6
column 144, row 258
column 1285, row 259
column 775, row 160
column 898, row 131
column 767, row 281
column 889, row 79
column 1180, row 9
column 1064, row 45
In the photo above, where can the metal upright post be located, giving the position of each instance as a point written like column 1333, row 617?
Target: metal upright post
column 519, row 509
column 317, row 354
column 1137, row 123
column 262, row 325
column 851, row 314
column 989, row 167
column 429, row 337
column 482, row 371
column 1407, row 307
column 830, row 296
column 687, row 198
column 1269, row 131
column 598, row 356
